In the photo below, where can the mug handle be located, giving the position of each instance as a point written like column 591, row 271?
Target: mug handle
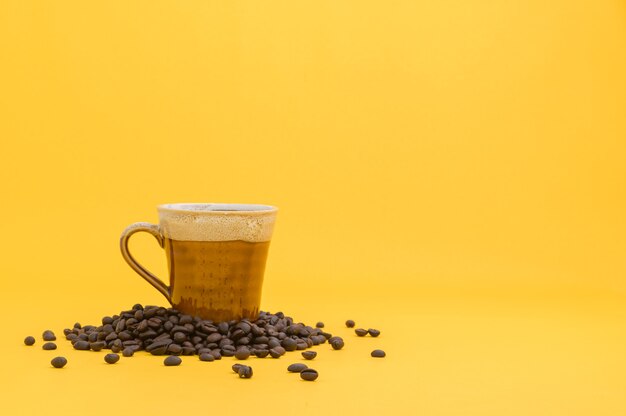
column 134, row 264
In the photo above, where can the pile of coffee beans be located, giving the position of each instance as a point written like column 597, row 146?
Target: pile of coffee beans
column 166, row 331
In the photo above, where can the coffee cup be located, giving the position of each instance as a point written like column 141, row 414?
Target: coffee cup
column 216, row 255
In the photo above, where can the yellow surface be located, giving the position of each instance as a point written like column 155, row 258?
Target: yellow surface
column 452, row 173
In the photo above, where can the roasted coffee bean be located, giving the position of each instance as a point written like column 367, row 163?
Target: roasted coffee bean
column 172, row 360
column 227, row 353
column 174, row 349
column 261, row 353
column 159, row 350
column 180, row 337
column 124, row 336
column 296, row 368
column 58, row 362
column 223, row 328
column 158, row 344
column 289, row 344
column 29, row 340
column 147, row 334
column 121, row 325
column 319, row 325
column 361, row 332
column 214, row 337
column 181, row 328
column 111, row 358
column 229, row 347
column 66, row 331
column 216, row 354
column 274, row 353
column 77, row 325
column 309, row 374
column 337, row 343
column 138, row 314
column 261, row 340
column 48, row 335
column 128, row 352
column 189, row 351
column 350, row 323
column 309, row 355
column 273, row 342
column 81, row 345
column 373, row 332
column 49, row 346
column 116, row 348
column 378, row 353
column 245, row 371
column 243, row 341
column 206, row 356
column 242, row 353
column 95, row 346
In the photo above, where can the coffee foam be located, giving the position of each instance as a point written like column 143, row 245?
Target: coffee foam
column 217, row 222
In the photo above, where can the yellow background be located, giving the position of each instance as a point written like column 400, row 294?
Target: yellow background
column 451, row 172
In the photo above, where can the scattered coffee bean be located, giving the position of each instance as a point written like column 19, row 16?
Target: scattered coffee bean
column 378, row 353
column 296, row 367
column 361, row 332
column 309, row 355
column 337, row 343
column 172, row 360
column 58, row 362
column 245, row 371
column 49, row 346
column 308, row 374
column 29, row 340
column 206, row 356
column 373, row 332
column 236, row 367
column 350, row 323
column 319, row 325
column 111, row 358
column 49, row 335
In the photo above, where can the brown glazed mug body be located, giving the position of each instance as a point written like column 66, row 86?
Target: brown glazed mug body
column 216, row 256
